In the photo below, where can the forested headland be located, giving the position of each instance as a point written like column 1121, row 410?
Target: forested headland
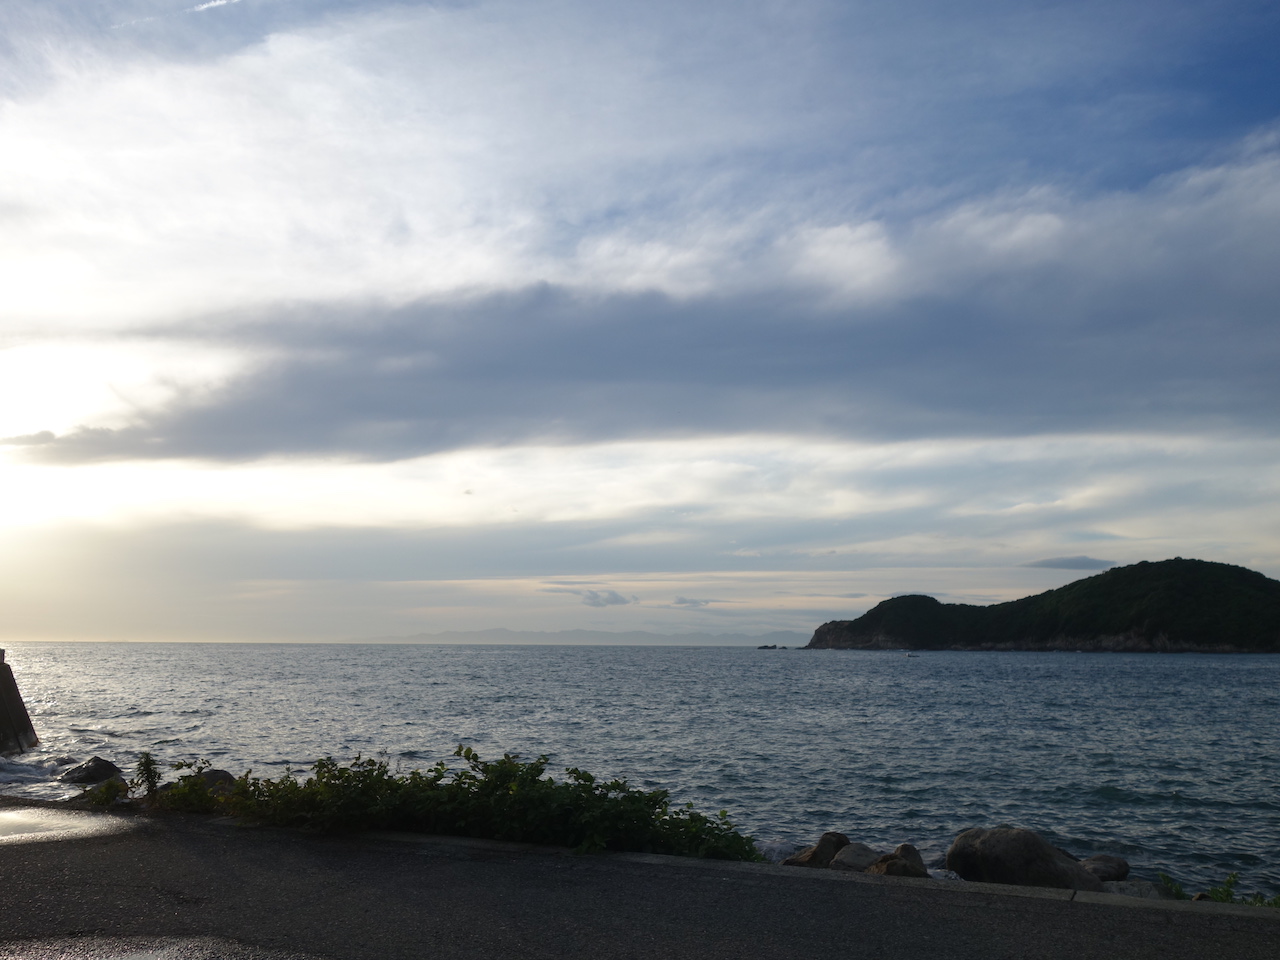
column 1175, row 606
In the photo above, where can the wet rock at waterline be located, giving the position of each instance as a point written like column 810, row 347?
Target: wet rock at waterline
column 856, row 857
column 1007, row 855
column 820, row 854
column 1106, row 867
column 1019, row 857
column 905, row 861
column 93, row 770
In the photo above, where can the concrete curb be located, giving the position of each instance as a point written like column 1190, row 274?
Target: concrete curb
column 1199, row 907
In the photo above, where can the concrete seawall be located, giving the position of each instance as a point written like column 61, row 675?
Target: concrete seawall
column 391, row 897
column 16, row 732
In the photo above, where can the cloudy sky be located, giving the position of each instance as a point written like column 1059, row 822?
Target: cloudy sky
column 324, row 318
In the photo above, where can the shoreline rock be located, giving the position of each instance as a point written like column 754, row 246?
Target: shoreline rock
column 94, row 770
column 820, row 854
column 1018, row 857
column 1004, row 855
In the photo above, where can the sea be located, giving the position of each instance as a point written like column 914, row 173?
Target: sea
column 1171, row 761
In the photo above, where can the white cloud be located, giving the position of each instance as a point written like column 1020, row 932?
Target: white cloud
column 1016, row 500
column 212, row 3
column 772, row 172
column 857, row 262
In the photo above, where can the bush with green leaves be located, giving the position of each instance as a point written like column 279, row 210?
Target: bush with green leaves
column 1223, row 893
column 146, row 775
column 1226, row 893
column 507, row 799
column 106, row 793
column 1173, row 887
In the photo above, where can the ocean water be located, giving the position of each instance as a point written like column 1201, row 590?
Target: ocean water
column 1171, row 761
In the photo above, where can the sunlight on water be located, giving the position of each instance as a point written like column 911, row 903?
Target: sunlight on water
column 1172, row 762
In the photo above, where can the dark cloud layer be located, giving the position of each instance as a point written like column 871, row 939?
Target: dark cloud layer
column 550, row 366
column 1073, row 563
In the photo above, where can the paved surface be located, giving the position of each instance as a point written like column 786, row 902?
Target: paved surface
column 225, row 891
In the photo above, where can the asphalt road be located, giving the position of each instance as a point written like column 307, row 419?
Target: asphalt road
column 191, row 887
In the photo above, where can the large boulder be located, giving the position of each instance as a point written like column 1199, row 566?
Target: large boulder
column 93, row 770
column 820, row 854
column 219, row 782
column 1019, row 857
column 856, row 857
column 905, row 861
column 1106, row 867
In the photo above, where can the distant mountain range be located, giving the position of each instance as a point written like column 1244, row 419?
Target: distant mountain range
column 639, row 638
column 1171, row 606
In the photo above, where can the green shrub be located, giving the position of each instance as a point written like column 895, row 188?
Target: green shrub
column 107, row 792
column 146, row 776
column 1173, row 887
column 190, row 793
column 1223, row 893
column 507, row 799
column 1226, row 893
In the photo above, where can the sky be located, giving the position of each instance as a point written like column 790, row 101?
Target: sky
column 327, row 319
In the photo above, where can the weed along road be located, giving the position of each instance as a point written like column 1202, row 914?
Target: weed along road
column 259, row 892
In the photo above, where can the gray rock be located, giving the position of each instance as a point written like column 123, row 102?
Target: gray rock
column 93, row 770
column 907, row 852
column 1106, row 867
column 1019, row 857
column 856, row 857
column 820, row 854
column 892, row 865
column 1138, row 888
column 218, row 781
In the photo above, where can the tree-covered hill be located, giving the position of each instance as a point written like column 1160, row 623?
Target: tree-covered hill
column 1174, row 605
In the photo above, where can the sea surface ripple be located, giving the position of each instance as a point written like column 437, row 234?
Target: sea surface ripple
column 1171, row 761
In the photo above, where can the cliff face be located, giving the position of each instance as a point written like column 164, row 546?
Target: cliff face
column 1171, row 606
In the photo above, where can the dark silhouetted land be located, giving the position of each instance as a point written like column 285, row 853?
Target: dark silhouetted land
column 1175, row 606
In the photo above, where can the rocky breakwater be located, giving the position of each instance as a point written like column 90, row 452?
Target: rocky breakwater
column 16, row 732
column 1004, row 854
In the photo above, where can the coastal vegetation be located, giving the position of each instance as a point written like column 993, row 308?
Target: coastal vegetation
column 1224, row 892
column 1170, row 606
column 515, row 800
column 507, row 799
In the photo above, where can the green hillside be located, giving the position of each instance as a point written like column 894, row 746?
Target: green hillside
column 1173, row 605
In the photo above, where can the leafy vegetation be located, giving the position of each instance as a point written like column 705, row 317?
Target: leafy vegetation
column 1173, row 887
column 1177, row 605
column 507, row 799
column 146, row 776
column 1224, row 893
column 107, row 793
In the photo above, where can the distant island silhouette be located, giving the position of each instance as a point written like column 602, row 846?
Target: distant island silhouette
column 1170, row 606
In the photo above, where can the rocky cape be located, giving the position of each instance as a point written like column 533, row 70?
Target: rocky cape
column 1173, row 606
